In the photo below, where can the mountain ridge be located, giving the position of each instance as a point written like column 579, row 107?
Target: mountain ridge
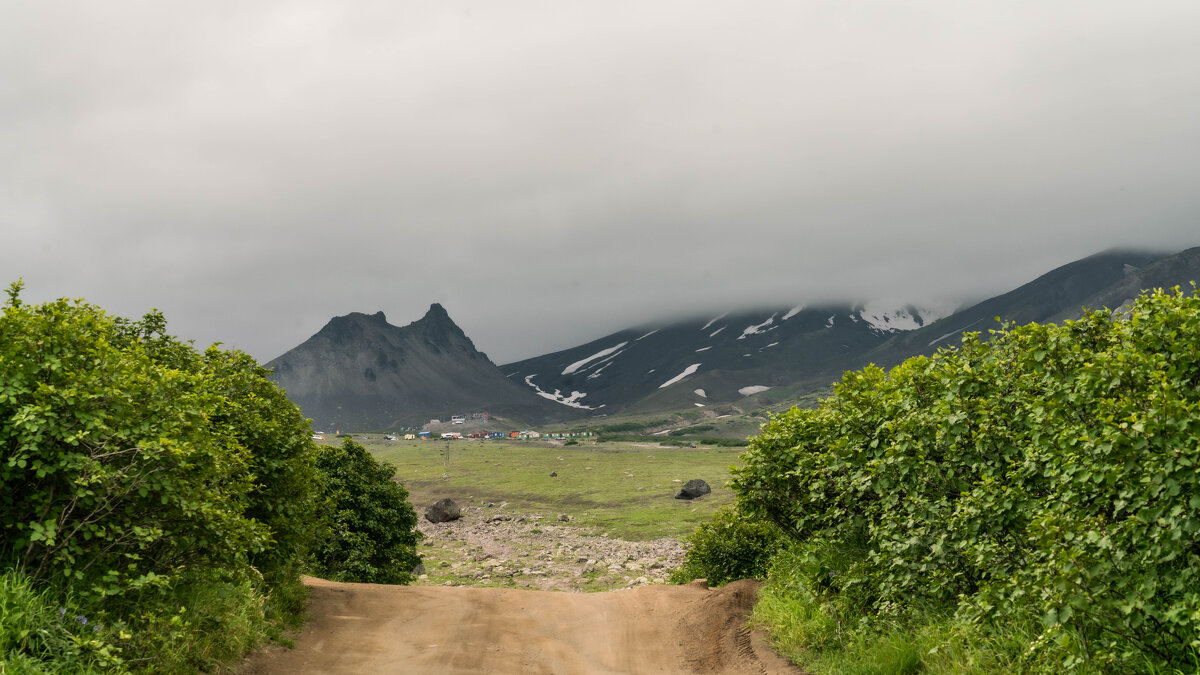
column 361, row 372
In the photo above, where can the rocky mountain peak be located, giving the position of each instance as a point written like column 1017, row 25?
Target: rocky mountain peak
column 437, row 313
column 351, row 327
column 439, row 329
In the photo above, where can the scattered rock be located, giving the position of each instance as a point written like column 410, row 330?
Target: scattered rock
column 419, row 569
column 524, row 552
column 554, row 474
column 564, row 518
column 442, row 511
column 692, row 489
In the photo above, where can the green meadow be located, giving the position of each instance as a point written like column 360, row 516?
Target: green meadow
column 625, row 490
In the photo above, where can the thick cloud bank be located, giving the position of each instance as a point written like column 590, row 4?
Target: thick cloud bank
column 553, row 171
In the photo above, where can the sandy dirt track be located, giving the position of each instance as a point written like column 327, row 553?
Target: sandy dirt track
column 365, row 628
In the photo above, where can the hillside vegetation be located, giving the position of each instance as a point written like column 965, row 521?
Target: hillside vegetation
column 158, row 504
column 1025, row 503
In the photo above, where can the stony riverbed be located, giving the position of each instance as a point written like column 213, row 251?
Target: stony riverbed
column 490, row 545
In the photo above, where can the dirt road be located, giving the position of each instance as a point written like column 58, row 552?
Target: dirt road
column 364, row 628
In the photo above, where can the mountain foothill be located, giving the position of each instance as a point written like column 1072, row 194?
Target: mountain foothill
column 360, row 372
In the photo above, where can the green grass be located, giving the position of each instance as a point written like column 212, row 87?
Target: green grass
column 824, row 636
column 39, row 635
column 625, row 490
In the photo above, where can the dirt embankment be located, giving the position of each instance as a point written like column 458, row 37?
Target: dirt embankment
column 365, row 628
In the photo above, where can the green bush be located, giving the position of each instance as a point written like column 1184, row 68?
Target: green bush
column 1047, row 476
column 692, row 430
column 136, row 469
column 729, row 547
column 374, row 536
column 113, row 478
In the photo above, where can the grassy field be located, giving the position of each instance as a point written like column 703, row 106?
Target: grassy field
column 625, row 490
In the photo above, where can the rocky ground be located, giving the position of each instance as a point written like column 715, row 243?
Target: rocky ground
column 490, row 545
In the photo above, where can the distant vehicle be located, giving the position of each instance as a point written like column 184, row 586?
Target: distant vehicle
column 318, row 437
column 458, row 419
column 451, row 435
column 389, row 437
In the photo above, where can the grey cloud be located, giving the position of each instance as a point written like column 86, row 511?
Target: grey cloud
column 255, row 168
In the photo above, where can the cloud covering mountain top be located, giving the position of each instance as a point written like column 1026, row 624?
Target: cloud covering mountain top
column 254, row 168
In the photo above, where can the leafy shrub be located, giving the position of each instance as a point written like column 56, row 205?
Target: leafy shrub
column 374, row 536
column 673, row 442
column 136, row 468
column 1045, row 476
column 692, row 430
column 626, row 427
column 728, row 547
column 113, row 479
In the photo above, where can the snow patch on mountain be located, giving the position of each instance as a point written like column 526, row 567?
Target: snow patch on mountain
column 702, row 349
column 954, row 332
column 714, row 333
column 793, row 312
column 947, row 335
column 602, row 362
column 686, row 371
column 648, row 334
column 705, row 327
column 557, row 396
column 892, row 320
column 758, row 329
column 751, row 390
column 600, row 370
column 600, row 354
column 700, row 393
column 829, row 321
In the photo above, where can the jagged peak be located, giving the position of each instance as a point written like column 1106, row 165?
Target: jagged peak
column 377, row 317
column 350, row 326
column 437, row 326
column 437, row 316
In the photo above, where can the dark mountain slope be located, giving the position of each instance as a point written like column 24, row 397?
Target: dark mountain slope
column 730, row 357
column 360, row 372
column 1181, row 270
column 1062, row 291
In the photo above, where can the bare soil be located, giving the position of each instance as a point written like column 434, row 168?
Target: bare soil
column 502, row 595
column 366, row 628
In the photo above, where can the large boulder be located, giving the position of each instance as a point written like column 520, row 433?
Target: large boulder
column 442, row 511
column 692, row 489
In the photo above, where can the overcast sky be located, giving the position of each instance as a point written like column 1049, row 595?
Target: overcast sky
column 554, row 171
